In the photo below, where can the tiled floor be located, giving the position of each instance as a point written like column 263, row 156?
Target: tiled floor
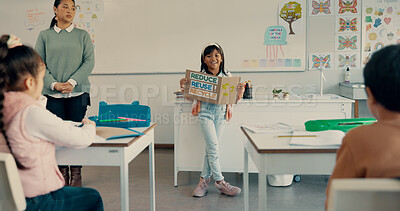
column 307, row 195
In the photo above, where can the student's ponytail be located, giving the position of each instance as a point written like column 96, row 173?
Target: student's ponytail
column 3, row 83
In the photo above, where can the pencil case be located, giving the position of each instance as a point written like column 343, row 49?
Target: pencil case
column 122, row 115
column 337, row 124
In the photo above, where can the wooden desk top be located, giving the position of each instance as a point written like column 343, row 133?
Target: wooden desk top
column 270, row 143
column 120, row 142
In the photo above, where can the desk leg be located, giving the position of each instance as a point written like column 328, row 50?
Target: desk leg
column 124, row 175
column 152, row 181
column 356, row 111
column 246, row 180
column 262, row 187
column 175, row 163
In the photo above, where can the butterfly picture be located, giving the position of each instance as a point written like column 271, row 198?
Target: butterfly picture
column 321, row 61
column 321, row 7
column 347, row 43
column 347, row 6
column 347, row 61
column 347, row 25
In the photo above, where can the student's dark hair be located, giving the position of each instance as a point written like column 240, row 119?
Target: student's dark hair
column 209, row 49
column 382, row 76
column 54, row 21
column 15, row 64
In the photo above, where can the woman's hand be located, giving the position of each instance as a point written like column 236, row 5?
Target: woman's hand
column 182, row 83
column 64, row 87
column 88, row 121
column 240, row 90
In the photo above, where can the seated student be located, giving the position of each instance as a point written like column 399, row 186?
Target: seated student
column 373, row 151
column 31, row 132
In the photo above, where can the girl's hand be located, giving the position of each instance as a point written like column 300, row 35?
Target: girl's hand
column 240, row 90
column 182, row 83
column 88, row 121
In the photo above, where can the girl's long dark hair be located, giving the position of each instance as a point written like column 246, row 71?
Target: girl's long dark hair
column 209, row 49
column 15, row 63
column 54, row 21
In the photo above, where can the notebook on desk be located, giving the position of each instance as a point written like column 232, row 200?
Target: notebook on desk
column 109, row 133
column 321, row 138
column 268, row 128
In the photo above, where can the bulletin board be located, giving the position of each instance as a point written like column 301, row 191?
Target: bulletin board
column 141, row 36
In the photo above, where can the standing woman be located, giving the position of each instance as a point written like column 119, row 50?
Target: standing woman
column 212, row 118
column 69, row 57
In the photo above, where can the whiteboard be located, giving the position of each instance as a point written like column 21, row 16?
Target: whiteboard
column 142, row 36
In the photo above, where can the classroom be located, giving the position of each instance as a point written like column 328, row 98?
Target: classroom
column 298, row 61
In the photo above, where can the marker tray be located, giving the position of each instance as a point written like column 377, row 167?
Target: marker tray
column 109, row 115
column 337, row 124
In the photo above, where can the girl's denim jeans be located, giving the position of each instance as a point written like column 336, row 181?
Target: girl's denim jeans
column 67, row 198
column 212, row 120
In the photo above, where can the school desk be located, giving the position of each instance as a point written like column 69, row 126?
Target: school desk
column 116, row 152
column 273, row 155
column 189, row 143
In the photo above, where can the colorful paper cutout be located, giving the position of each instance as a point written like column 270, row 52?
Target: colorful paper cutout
column 346, row 25
column 347, row 60
column 320, row 7
column 347, row 43
column 378, row 45
column 347, row 6
column 320, row 61
column 377, row 23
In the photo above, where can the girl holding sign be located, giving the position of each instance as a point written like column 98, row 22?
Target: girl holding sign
column 212, row 118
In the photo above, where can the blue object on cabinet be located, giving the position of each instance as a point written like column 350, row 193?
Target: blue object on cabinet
column 112, row 115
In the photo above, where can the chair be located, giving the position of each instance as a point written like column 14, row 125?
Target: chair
column 11, row 193
column 364, row 194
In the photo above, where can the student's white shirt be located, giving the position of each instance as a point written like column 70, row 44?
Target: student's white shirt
column 43, row 124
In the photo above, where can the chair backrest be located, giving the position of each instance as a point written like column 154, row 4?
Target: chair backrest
column 11, row 193
column 364, row 194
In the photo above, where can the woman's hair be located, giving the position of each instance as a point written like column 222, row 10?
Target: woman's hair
column 382, row 76
column 209, row 49
column 15, row 64
column 54, row 21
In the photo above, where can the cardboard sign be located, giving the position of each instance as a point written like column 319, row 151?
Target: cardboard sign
column 211, row 89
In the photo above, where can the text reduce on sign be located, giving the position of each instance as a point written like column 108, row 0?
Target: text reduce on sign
column 205, row 78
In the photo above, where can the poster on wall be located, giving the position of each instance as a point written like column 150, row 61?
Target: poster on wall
column 89, row 11
column 380, row 26
column 283, row 45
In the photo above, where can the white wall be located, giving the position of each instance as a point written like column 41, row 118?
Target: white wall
column 156, row 90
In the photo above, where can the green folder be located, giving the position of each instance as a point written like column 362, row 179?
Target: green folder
column 337, row 124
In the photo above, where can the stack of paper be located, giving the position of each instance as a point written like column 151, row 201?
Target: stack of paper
column 321, row 138
column 268, row 128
